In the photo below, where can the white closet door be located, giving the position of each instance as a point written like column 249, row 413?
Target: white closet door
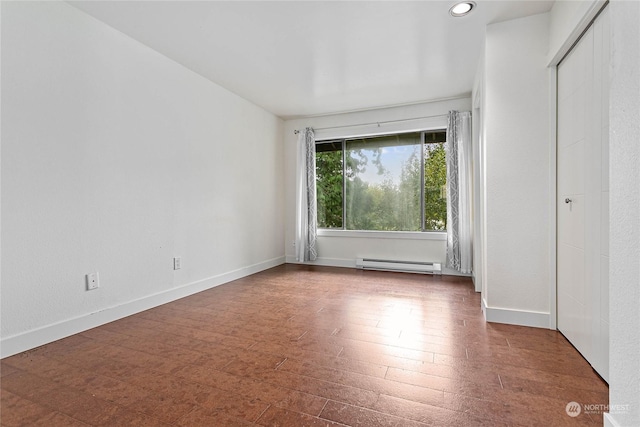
column 583, row 203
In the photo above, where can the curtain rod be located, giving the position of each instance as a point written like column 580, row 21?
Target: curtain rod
column 377, row 123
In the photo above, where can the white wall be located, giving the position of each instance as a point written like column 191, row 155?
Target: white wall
column 515, row 95
column 343, row 251
column 116, row 159
column 624, row 246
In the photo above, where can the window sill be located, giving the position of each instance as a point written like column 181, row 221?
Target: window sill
column 411, row 235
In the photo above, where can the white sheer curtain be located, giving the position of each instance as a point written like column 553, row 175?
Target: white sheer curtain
column 459, row 240
column 306, row 220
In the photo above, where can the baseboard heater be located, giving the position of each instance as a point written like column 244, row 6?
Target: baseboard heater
column 400, row 266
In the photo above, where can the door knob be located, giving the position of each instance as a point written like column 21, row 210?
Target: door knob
column 568, row 200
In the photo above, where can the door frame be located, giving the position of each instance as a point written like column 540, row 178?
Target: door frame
column 574, row 36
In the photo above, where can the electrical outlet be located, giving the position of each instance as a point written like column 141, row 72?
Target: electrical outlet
column 93, row 281
column 177, row 263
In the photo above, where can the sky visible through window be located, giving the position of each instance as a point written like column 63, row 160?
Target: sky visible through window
column 392, row 160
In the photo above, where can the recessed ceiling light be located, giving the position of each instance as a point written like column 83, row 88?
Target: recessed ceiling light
column 462, row 8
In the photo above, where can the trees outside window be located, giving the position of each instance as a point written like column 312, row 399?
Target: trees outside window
column 385, row 183
column 329, row 184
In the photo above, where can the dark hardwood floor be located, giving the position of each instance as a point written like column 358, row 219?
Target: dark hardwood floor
column 306, row 346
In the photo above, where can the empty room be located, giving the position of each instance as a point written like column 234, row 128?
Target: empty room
column 320, row 213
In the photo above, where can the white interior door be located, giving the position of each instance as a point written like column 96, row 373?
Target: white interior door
column 583, row 196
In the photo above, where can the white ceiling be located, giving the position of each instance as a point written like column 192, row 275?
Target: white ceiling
column 298, row 58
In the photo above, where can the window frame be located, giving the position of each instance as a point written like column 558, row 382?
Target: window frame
column 423, row 234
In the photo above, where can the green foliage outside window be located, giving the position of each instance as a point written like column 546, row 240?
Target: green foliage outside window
column 380, row 185
column 329, row 188
column 435, row 187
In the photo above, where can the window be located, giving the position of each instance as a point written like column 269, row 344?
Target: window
column 384, row 183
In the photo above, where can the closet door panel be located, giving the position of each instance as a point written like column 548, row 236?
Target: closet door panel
column 582, row 186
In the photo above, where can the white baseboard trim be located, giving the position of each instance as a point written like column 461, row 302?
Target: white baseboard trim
column 609, row 421
column 476, row 282
column 351, row 263
column 325, row 262
column 34, row 338
column 515, row 317
column 449, row 272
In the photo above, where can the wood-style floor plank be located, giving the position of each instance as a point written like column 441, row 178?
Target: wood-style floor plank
column 306, row 346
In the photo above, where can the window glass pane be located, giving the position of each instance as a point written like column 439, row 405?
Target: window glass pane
column 383, row 183
column 329, row 184
column 435, row 186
